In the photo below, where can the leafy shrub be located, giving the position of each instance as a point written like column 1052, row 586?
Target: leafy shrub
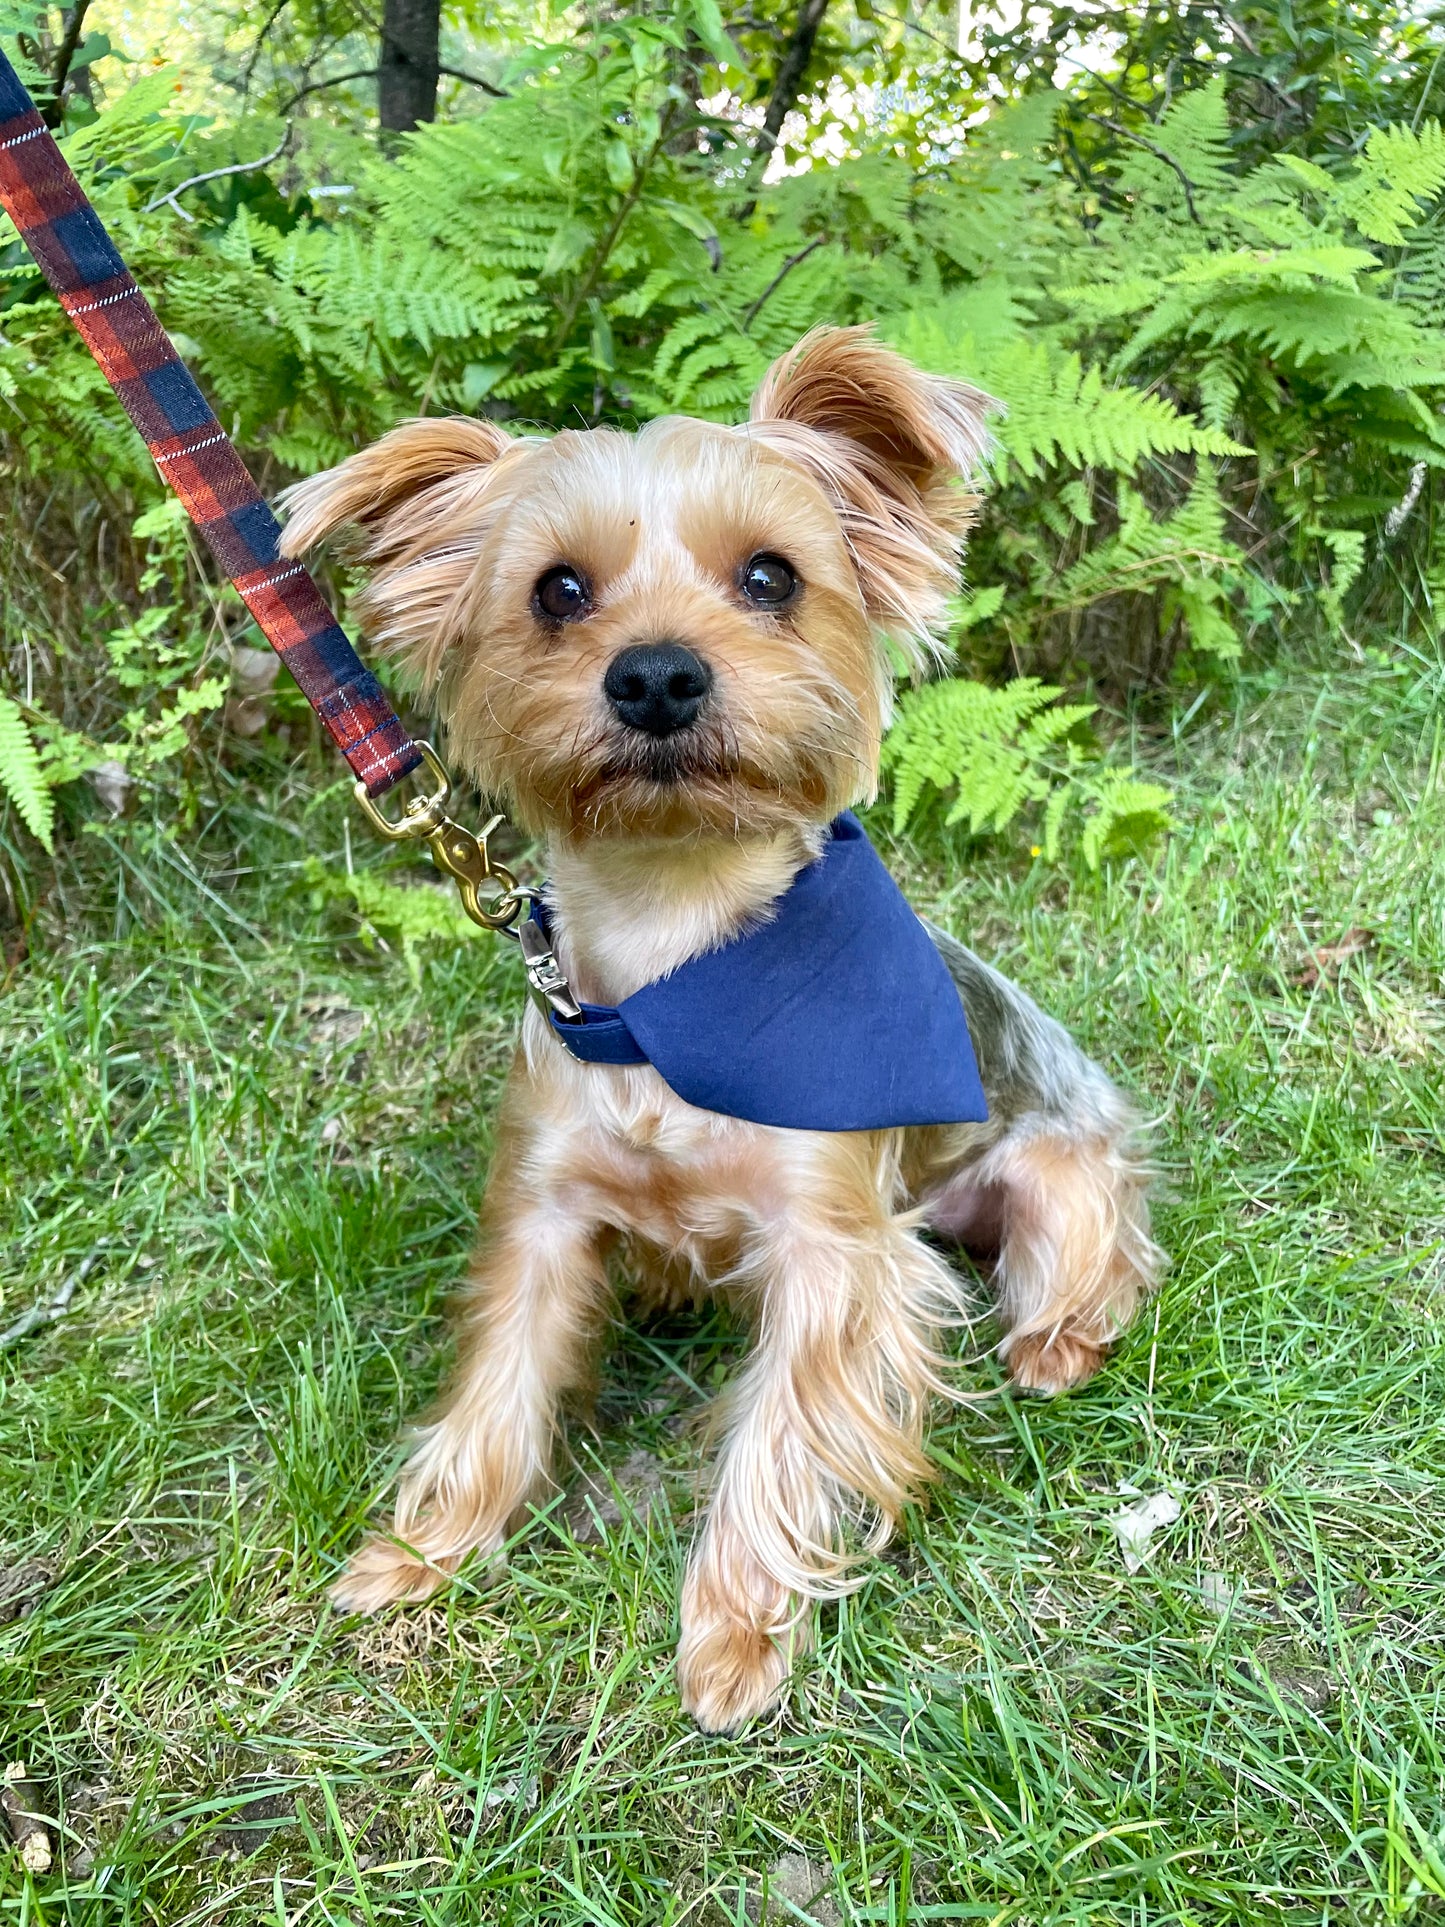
column 1220, row 374
column 410, row 914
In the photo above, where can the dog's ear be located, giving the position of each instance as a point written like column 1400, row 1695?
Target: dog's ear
column 889, row 446
column 415, row 504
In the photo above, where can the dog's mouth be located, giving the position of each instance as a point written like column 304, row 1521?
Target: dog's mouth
column 671, row 761
column 707, row 778
column 671, row 785
column 666, row 763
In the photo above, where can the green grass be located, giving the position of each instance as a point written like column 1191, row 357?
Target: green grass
column 272, row 1138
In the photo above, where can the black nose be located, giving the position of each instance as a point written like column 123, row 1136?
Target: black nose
column 657, row 687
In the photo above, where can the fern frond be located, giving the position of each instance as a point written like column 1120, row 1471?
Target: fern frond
column 1124, row 813
column 986, row 744
column 1061, row 410
column 21, row 775
column 1400, row 169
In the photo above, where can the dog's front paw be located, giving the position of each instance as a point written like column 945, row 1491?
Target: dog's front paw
column 381, row 1571
column 1050, row 1362
column 740, row 1637
column 729, row 1673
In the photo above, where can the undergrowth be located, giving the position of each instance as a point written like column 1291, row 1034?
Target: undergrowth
column 1222, row 372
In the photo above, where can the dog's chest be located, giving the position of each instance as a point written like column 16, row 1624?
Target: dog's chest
column 639, row 1159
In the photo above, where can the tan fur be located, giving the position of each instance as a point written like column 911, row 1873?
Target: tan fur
column 849, row 469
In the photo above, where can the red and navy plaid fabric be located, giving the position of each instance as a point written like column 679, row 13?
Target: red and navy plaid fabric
column 191, row 449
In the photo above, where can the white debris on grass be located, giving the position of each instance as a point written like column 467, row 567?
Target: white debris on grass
column 1135, row 1525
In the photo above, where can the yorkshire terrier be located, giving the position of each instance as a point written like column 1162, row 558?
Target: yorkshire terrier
column 757, row 585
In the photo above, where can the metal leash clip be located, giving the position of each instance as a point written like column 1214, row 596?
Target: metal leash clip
column 463, row 856
column 546, row 981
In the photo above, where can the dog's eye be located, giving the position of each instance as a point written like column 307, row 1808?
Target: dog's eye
column 768, row 581
column 562, row 594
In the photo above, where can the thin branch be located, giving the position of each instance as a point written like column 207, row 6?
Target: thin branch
column 1241, row 36
column 1128, row 134
column 588, row 283
column 792, row 69
column 336, row 80
column 47, row 1310
column 54, row 110
column 267, row 24
column 475, row 80
column 215, row 174
column 750, row 313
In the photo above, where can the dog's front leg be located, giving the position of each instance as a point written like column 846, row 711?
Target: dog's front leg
column 531, row 1306
column 824, row 1446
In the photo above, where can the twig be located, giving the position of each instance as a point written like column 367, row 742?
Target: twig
column 266, row 25
column 750, row 313
column 336, row 80
column 588, row 283
column 48, row 1310
column 1400, row 514
column 215, row 174
column 475, row 80
column 1117, row 127
column 792, row 68
column 54, row 110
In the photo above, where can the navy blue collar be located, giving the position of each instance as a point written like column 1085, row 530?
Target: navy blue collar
column 837, row 1014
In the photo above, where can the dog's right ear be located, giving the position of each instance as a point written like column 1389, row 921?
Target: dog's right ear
column 415, row 501
column 890, row 446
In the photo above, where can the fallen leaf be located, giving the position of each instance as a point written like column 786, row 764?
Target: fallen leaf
column 1216, row 1593
column 20, row 1797
column 1135, row 1525
column 21, row 1586
column 254, row 671
column 246, row 716
column 1330, row 956
column 112, row 783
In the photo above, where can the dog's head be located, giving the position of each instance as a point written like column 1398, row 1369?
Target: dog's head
column 678, row 630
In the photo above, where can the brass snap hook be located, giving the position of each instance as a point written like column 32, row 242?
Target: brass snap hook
column 462, row 855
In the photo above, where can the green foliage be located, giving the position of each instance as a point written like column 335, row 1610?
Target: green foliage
column 1215, row 368
column 1001, row 751
column 1219, row 348
column 411, row 915
column 21, row 774
column 990, row 746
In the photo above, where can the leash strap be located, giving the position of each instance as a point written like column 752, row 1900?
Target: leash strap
column 193, row 452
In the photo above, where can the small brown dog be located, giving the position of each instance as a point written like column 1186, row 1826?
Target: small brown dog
column 510, row 574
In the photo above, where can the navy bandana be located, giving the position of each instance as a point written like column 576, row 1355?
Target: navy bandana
column 836, row 1015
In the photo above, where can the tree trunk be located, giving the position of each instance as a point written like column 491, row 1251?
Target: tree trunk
column 53, row 112
column 792, row 70
column 406, row 90
column 787, row 85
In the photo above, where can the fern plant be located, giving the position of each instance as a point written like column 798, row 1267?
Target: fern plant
column 1230, row 336
column 22, row 774
column 411, row 915
column 987, row 755
column 1219, row 376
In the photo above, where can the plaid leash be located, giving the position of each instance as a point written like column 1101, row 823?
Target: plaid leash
column 191, row 449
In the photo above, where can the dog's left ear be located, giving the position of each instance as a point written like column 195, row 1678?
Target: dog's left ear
column 890, row 447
